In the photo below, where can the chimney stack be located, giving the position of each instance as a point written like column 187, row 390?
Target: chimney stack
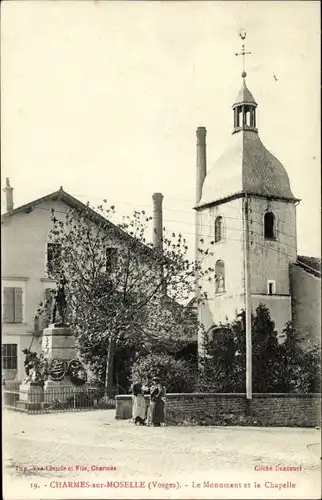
column 9, row 195
column 201, row 161
column 157, row 220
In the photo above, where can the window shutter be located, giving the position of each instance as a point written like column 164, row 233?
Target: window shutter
column 18, row 305
column 8, row 305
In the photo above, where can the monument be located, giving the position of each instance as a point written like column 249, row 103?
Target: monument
column 58, row 346
column 52, row 377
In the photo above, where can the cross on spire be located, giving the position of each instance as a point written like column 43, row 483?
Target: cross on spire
column 243, row 53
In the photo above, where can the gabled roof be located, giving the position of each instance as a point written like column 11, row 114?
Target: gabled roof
column 56, row 195
column 74, row 203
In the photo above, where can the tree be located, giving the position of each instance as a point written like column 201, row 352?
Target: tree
column 219, row 360
column 300, row 365
column 175, row 374
column 123, row 295
column 265, row 351
column 281, row 368
column 224, row 367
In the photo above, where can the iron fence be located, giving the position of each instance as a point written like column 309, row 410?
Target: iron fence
column 11, row 385
column 37, row 399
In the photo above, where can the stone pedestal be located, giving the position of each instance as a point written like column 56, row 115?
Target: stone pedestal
column 58, row 343
column 31, row 396
column 60, row 390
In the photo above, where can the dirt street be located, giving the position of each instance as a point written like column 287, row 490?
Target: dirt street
column 92, row 455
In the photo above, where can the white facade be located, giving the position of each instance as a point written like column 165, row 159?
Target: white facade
column 24, row 250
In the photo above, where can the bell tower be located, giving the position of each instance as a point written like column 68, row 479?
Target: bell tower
column 247, row 216
column 244, row 111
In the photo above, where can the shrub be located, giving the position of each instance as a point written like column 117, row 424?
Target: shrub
column 175, row 374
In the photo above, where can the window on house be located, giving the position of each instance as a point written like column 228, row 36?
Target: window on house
column 271, row 287
column 9, row 357
column 111, row 259
column 219, row 229
column 220, row 276
column 12, row 305
column 269, row 226
column 53, row 254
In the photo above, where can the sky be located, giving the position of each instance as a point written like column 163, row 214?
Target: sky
column 104, row 98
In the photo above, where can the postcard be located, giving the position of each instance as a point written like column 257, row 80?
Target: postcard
column 161, row 263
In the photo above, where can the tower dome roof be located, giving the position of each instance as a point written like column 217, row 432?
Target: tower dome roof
column 246, row 166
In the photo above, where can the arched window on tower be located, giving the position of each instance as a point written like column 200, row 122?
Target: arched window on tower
column 220, row 276
column 248, row 122
column 240, row 117
column 269, row 226
column 219, row 229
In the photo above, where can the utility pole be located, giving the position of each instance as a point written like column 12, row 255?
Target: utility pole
column 248, row 309
column 108, row 386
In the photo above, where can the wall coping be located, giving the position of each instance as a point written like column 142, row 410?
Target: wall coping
column 236, row 395
column 302, row 395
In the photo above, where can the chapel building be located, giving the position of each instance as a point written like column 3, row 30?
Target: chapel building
column 246, row 213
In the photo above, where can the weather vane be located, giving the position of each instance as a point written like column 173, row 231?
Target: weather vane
column 243, row 53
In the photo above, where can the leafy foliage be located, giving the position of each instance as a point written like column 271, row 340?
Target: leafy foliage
column 300, row 368
column 120, row 288
column 175, row 374
column 36, row 366
column 276, row 367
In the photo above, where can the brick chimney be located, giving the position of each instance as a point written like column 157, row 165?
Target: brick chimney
column 9, row 195
column 157, row 220
column 201, row 161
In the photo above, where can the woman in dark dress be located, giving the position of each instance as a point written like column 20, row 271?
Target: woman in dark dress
column 157, row 395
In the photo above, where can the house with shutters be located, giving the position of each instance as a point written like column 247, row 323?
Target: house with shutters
column 27, row 254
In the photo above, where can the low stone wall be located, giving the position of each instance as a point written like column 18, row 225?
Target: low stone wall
column 293, row 410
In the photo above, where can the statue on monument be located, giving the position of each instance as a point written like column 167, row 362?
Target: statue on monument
column 59, row 303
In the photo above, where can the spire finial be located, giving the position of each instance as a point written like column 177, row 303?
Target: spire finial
column 243, row 53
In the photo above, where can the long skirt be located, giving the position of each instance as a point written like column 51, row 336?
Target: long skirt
column 157, row 411
column 138, row 408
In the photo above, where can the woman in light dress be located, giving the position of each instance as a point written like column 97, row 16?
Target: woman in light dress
column 138, row 404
